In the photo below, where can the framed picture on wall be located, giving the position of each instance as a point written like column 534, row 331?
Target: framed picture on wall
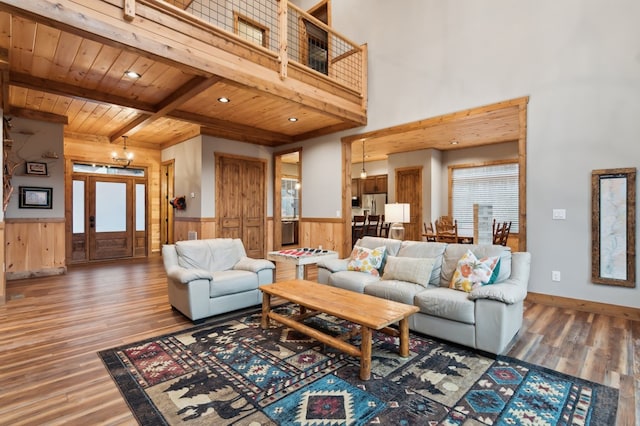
column 34, row 168
column 32, row 197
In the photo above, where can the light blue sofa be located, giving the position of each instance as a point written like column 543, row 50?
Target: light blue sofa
column 213, row 276
column 487, row 318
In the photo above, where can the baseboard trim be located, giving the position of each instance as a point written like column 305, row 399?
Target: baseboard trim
column 618, row 311
column 46, row 272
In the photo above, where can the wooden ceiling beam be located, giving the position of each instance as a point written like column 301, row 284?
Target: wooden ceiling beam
column 170, row 103
column 64, row 89
column 39, row 115
column 215, row 126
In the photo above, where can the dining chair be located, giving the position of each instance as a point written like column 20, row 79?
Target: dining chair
column 501, row 232
column 371, row 228
column 429, row 231
column 357, row 227
column 384, row 227
column 446, row 232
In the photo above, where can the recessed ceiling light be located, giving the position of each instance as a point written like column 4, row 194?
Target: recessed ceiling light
column 293, row 119
column 454, row 142
column 132, row 74
column 224, row 100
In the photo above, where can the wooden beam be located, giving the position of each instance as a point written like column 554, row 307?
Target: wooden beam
column 4, row 91
column 39, row 115
column 84, row 137
column 216, row 127
column 129, row 11
column 64, row 89
column 170, row 103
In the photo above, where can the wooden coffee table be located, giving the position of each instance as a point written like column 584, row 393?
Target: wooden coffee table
column 369, row 312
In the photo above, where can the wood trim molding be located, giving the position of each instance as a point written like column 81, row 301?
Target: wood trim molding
column 617, row 311
column 195, row 219
column 35, row 220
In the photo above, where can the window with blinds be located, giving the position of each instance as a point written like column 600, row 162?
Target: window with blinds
column 496, row 185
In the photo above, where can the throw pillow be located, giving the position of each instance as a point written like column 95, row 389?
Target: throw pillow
column 472, row 272
column 366, row 260
column 412, row 269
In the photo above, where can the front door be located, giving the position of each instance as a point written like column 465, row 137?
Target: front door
column 109, row 219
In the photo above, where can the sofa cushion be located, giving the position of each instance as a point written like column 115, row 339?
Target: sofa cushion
column 454, row 252
column 472, row 272
column 217, row 254
column 366, row 260
column 446, row 303
column 230, row 282
column 398, row 291
column 412, row 269
column 352, row 280
column 372, row 242
column 425, row 249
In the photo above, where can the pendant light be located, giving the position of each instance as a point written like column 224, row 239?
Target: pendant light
column 363, row 172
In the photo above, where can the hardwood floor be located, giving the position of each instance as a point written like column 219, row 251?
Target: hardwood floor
column 52, row 327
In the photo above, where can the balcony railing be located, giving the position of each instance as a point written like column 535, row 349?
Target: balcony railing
column 280, row 28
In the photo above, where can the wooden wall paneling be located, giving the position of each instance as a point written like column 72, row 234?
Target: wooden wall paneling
column 34, row 247
column 329, row 233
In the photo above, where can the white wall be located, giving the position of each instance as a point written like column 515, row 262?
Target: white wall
column 188, row 169
column 30, row 140
column 577, row 60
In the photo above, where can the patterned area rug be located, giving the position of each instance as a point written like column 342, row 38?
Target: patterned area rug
column 231, row 372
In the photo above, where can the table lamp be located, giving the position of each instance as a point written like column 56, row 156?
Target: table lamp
column 397, row 214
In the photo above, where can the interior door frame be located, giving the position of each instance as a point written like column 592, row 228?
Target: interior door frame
column 277, row 197
column 167, row 192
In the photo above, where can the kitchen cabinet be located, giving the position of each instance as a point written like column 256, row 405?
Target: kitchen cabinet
column 355, row 188
column 374, row 184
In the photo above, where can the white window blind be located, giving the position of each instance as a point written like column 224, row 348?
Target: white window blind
column 496, row 185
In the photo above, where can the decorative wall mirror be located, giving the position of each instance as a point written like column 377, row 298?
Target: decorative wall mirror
column 613, row 227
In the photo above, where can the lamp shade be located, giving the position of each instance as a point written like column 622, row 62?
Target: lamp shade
column 397, row 213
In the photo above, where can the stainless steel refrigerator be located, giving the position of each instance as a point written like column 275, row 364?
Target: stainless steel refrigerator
column 374, row 203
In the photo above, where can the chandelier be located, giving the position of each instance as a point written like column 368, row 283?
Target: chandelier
column 363, row 172
column 126, row 157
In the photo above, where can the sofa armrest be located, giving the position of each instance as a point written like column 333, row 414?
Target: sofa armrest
column 185, row 276
column 507, row 291
column 513, row 289
column 253, row 265
column 334, row 265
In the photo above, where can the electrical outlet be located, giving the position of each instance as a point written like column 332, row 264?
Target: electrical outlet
column 559, row 214
column 555, row 275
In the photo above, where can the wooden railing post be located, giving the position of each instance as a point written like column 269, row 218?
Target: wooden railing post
column 129, row 9
column 283, row 6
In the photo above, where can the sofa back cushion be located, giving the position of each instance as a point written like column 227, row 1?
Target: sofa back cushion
column 374, row 242
column 216, row 254
column 454, row 252
column 424, row 249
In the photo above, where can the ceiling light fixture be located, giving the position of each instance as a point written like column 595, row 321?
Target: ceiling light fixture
column 132, row 74
column 224, row 100
column 454, row 142
column 127, row 156
column 363, row 172
column 293, row 119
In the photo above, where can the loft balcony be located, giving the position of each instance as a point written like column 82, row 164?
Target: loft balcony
column 65, row 61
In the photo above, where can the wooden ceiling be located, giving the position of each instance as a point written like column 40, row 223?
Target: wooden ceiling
column 490, row 124
column 63, row 76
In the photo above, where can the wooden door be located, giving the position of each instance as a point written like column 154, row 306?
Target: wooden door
column 409, row 190
column 241, row 201
column 110, row 213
